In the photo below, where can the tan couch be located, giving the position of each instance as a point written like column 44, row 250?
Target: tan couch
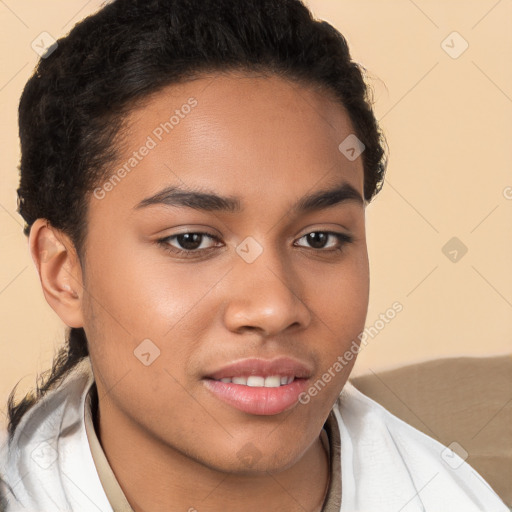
column 464, row 400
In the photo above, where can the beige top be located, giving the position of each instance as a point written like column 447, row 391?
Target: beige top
column 330, row 437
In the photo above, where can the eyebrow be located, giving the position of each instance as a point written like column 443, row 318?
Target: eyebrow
column 208, row 201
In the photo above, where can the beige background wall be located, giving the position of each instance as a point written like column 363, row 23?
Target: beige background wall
column 448, row 123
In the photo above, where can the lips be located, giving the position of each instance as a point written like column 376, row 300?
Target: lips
column 259, row 386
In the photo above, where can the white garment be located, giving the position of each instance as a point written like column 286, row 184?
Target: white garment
column 387, row 465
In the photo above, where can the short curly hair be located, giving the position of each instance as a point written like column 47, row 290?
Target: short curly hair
column 72, row 108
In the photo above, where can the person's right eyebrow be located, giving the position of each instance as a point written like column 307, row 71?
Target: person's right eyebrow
column 210, row 201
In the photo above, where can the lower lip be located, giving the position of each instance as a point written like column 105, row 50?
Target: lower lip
column 258, row 400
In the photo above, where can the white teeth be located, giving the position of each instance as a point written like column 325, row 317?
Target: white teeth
column 272, row 381
column 254, row 381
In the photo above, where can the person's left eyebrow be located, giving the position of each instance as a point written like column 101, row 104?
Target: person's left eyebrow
column 208, row 201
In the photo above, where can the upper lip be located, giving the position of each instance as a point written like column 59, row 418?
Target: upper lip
column 283, row 366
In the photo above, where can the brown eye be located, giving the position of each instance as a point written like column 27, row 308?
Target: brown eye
column 318, row 240
column 187, row 243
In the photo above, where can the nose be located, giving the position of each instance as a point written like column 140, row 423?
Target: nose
column 265, row 296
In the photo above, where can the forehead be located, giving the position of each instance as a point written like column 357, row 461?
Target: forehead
column 262, row 138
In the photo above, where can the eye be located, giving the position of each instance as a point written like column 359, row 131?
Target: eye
column 318, row 239
column 190, row 243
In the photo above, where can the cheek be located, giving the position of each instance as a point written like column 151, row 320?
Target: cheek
column 340, row 296
column 136, row 291
column 340, row 308
column 341, row 318
column 138, row 295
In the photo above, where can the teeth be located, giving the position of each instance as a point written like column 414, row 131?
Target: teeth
column 254, row 381
column 273, row 381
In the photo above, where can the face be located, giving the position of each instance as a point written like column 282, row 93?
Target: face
column 209, row 318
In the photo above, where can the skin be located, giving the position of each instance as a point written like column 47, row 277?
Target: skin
column 168, row 439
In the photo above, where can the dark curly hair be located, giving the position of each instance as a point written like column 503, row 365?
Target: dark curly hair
column 72, row 108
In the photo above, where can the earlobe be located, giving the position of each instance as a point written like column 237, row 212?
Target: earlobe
column 59, row 270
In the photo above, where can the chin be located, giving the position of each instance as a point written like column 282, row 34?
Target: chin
column 262, row 456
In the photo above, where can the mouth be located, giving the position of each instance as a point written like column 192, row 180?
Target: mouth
column 258, row 386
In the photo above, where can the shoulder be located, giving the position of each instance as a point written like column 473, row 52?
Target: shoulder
column 48, row 463
column 389, row 465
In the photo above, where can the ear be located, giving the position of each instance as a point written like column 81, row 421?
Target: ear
column 59, row 270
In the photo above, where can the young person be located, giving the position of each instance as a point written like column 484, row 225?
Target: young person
column 194, row 177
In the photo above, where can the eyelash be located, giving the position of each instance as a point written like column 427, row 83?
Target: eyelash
column 342, row 238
